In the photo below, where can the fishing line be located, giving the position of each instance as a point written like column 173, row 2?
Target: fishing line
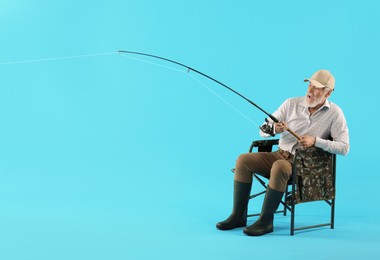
column 57, row 58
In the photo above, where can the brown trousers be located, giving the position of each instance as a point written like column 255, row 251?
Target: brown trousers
column 275, row 166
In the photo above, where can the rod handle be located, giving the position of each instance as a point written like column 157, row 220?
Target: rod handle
column 293, row 133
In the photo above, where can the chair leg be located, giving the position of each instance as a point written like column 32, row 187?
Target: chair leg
column 332, row 213
column 292, row 215
column 286, row 194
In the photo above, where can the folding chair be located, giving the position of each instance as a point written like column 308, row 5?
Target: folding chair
column 313, row 179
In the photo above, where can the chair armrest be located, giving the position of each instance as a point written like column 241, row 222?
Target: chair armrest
column 263, row 145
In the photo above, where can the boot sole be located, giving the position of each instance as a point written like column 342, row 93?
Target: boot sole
column 256, row 234
column 229, row 228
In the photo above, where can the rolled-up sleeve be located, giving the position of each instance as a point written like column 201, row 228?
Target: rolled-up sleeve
column 340, row 139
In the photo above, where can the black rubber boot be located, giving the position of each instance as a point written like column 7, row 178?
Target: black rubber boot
column 238, row 217
column 265, row 223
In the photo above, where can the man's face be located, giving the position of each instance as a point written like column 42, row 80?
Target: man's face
column 315, row 96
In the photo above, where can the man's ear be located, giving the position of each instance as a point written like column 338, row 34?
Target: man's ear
column 328, row 93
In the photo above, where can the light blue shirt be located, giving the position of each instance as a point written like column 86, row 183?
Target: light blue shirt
column 327, row 123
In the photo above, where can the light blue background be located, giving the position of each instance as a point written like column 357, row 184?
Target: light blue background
column 106, row 157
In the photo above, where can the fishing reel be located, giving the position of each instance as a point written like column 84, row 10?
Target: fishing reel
column 267, row 128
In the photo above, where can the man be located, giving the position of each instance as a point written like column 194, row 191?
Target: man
column 317, row 121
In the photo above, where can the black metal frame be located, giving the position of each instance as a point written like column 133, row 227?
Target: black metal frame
column 267, row 146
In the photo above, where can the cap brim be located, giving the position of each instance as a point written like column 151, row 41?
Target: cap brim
column 315, row 83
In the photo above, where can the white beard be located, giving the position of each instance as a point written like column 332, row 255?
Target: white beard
column 315, row 103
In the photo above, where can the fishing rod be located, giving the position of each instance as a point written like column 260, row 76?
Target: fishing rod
column 215, row 80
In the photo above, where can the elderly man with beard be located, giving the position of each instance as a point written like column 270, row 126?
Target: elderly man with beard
column 318, row 121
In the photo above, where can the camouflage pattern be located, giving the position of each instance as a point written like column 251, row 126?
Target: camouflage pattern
column 314, row 176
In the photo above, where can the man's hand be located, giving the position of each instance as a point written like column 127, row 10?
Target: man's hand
column 307, row 141
column 280, row 127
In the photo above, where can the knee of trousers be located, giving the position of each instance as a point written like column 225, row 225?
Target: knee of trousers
column 242, row 170
column 242, row 163
column 280, row 173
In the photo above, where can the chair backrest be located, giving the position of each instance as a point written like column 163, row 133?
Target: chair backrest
column 313, row 175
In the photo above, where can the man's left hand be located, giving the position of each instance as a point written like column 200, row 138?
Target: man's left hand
column 307, row 141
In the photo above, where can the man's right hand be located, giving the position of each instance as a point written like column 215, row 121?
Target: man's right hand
column 280, row 127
